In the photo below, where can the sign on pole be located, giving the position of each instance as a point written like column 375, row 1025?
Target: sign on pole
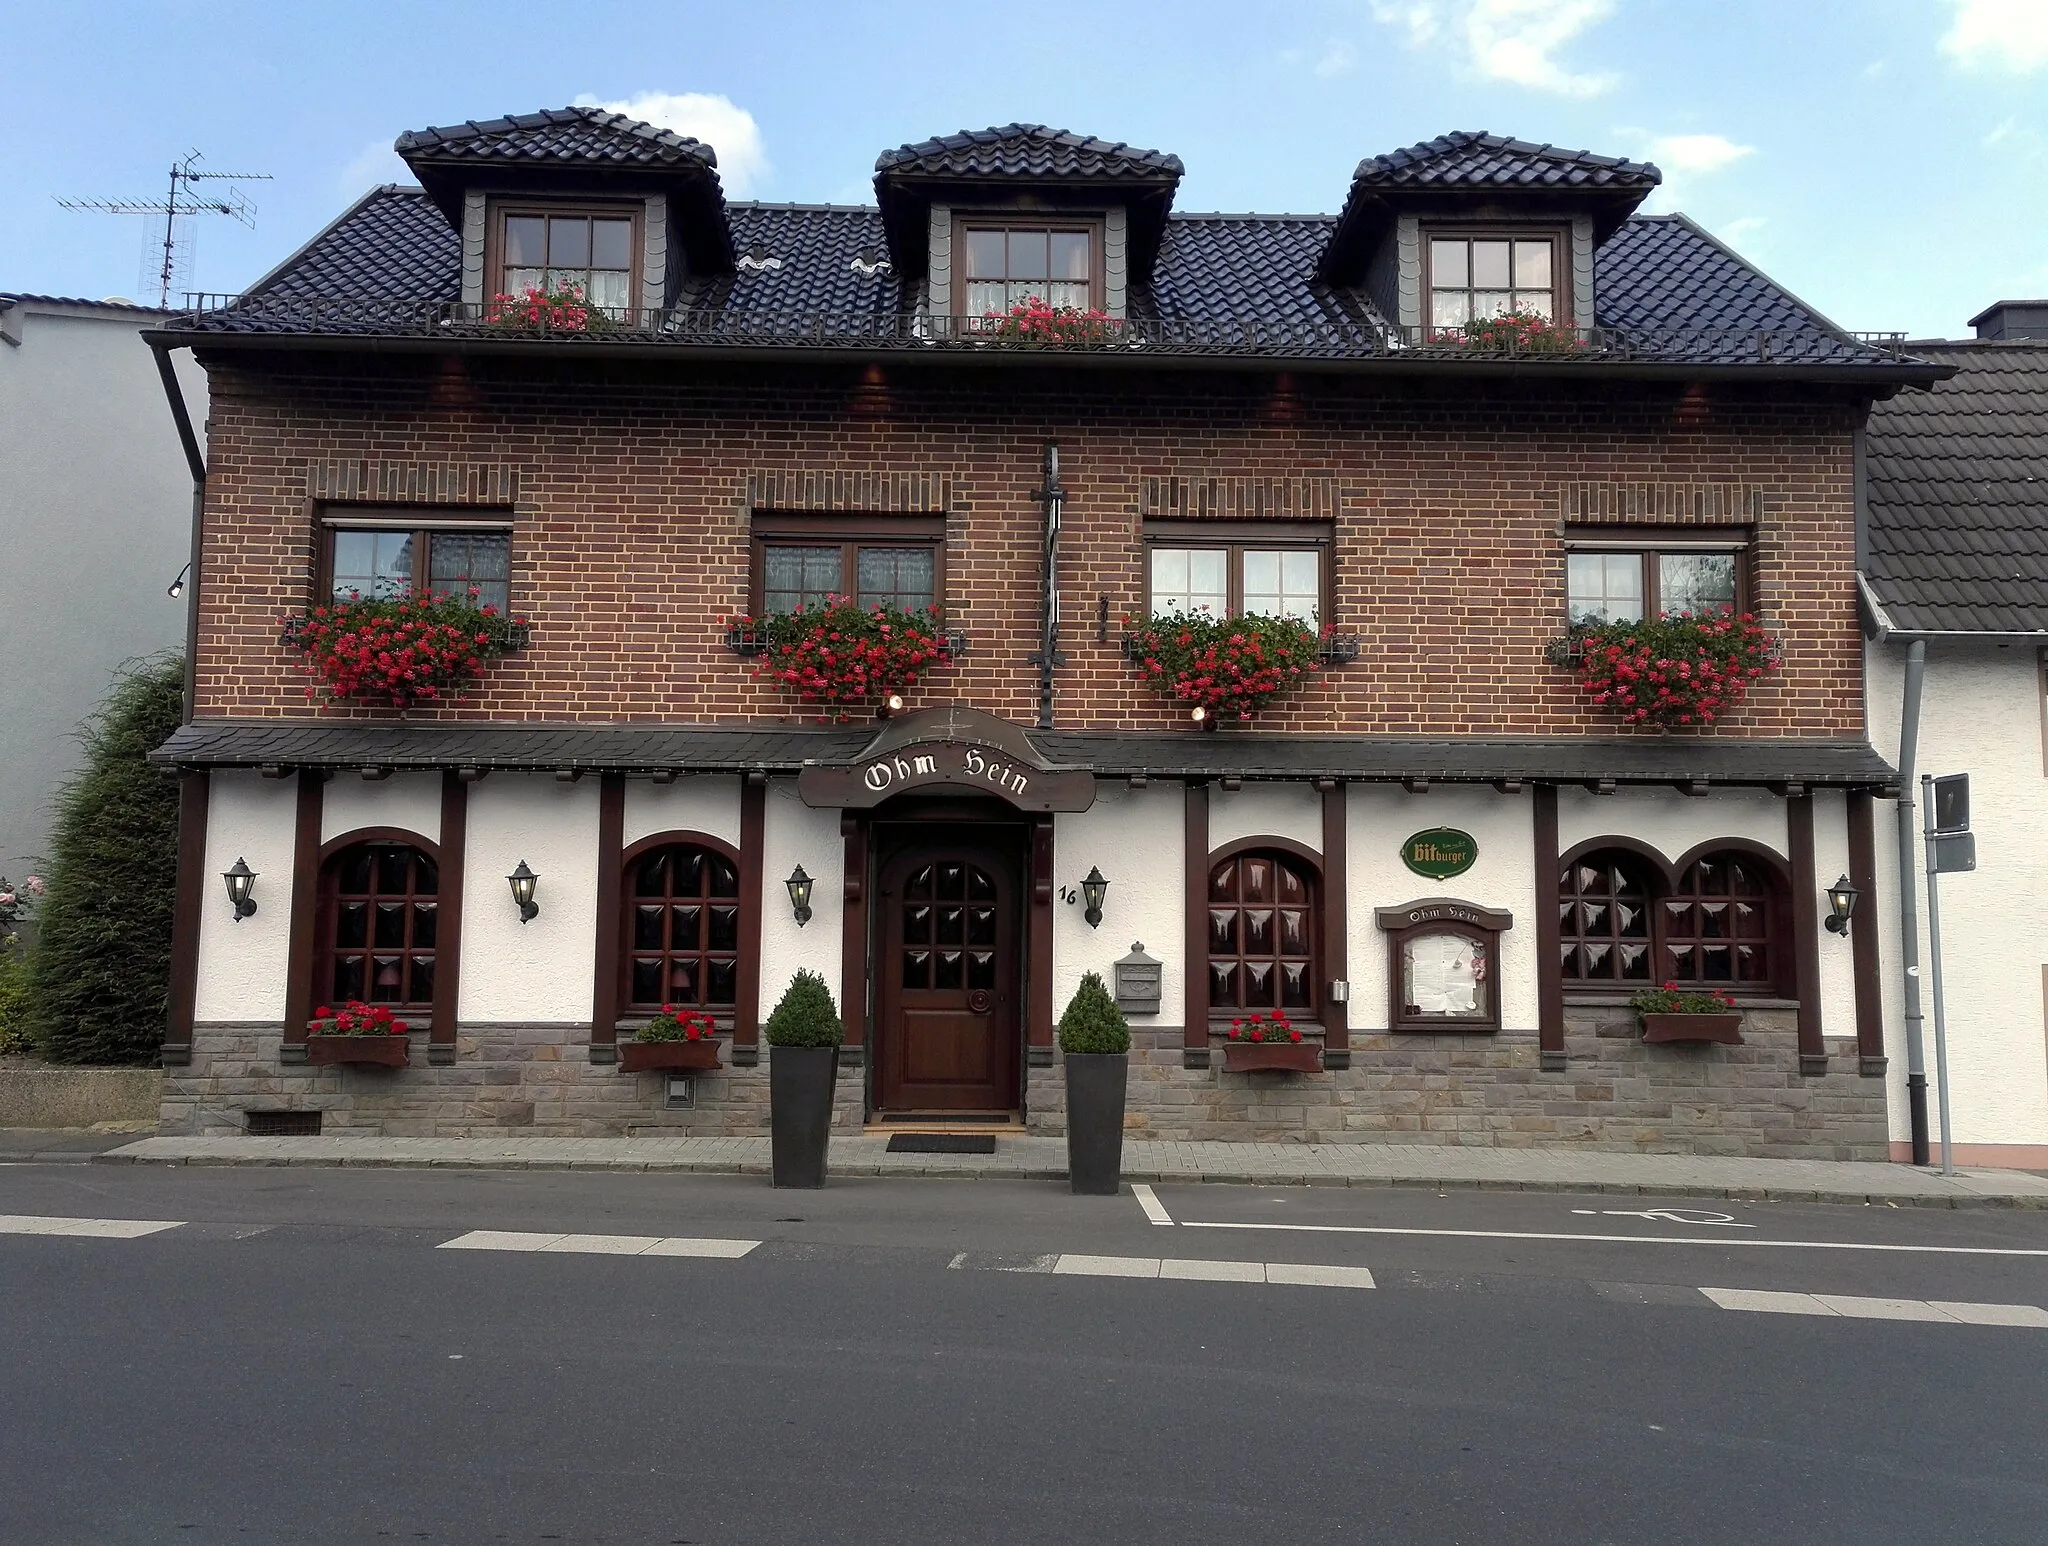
column 1951, row 847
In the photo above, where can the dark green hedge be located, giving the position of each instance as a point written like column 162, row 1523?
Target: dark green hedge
column 99, row 976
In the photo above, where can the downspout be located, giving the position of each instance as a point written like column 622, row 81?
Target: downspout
column 1053, row 497
column 182, row 417
column 1909, row 920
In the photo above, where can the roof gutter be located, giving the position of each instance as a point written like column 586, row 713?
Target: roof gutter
column 174, row 394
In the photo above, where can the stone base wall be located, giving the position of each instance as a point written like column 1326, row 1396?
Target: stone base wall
column 1617, row 1093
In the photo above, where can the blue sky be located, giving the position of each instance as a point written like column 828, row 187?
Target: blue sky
column 1885, row 159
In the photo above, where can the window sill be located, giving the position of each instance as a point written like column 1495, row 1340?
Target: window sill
column 747, row 643
column 1620, row 1000
column 1336, row 651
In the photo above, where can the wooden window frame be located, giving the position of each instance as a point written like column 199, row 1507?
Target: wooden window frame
column 1318, row 537
column 1650, row 543
column 1305, row 1018
column 1398, row 1018
column 1092, row 222
column 724, row 1016
column 418, row 522
column 1563, row 310
column 1663, row 880
column 497, row 211
column 326, row 916
column 849, row 534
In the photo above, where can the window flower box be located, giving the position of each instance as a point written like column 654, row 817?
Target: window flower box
column 1225, row 665
column 1676, row 670
column 429, row 647
column 1268, row 1043
column 367, row 1034
column 842, row 655
column 675, row 1039
column 1670, row 1015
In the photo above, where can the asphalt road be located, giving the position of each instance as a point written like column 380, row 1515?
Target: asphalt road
column 300, row 1360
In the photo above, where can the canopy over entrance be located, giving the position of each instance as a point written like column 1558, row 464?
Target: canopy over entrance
column 950, row 749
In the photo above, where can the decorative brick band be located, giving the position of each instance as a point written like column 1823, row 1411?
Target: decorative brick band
column 1184, row 498
column 822, row 488
column 440, row 483
column 1729, row 503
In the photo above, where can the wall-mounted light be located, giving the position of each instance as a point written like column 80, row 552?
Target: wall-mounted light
column 177, row 587
column 799, row 895
column 241, row 880
column 1093, row 890
column 890, row 706
column 523, row 881
column 1841, row 905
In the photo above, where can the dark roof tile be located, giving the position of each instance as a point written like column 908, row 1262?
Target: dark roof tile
column 1026, row 150
column 587, row 135
column 1466, row 158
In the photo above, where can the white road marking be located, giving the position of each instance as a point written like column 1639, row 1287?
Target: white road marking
column 1696, row 1217
column 1149, row 1201
column 1205, row 1271
column 99, row 1229
column 596, row 1245
column 1858, row 1307
column 1523, row 1234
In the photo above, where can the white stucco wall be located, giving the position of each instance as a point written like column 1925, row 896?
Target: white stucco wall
column 411, row 801
column 796, row 834
column 1671, row 822
column 1981, row 715
column 1381, row 818
column 243, row 966
column 94, row 491
column 1135, row 836
column 536, row 973
column 1292, row 811
column 709, row 804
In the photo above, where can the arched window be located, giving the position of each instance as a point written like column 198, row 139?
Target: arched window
column 1623, row 924
column 1263, row 929
column 377, row 925
column 1604, row 917
column 682, row 926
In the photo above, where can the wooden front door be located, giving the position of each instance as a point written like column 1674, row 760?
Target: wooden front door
column 947, row 999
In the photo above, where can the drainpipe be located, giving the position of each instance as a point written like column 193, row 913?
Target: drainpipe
column 182, row 417
column 1054, row 498
column 1909, row 920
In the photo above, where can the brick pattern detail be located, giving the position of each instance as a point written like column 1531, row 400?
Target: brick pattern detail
column 440, row 483
column 634, row 487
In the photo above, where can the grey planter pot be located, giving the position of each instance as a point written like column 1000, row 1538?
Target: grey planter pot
column 800, row 1083
column 1095, row 1121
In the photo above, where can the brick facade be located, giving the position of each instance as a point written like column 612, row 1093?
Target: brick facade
column 632, row 488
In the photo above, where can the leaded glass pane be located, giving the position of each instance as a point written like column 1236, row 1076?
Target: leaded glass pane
column 460, row 563
column 1284, row 583
column 724, row 984
column 900, row 577
column 948, row 969
column 372, row 564
column 725, row 928
column 647, row 926
column 351, row 927
column 917, row 968
column 798, row 577
column 1604, row 587
column 425, row 924
column 1195, row 581
column 348, row 977
column 647, row 982
column 981, row 969
column 1702, row 584
column 390, row 925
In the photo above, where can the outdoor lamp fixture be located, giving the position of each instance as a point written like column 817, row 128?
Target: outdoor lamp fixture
column 241, row 881
column 891, row 705
column 1841, row 905
column 522, row 881
column 177, row 587
column 799, row 895
column 1093, row 890
column 1203, row 719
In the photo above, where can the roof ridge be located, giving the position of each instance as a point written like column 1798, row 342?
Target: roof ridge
column 996, row 134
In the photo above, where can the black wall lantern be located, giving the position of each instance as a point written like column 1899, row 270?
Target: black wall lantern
column 241, row 881
column 799, row 895
column 1093, row 890
column 523, row 881
column 1841, row 905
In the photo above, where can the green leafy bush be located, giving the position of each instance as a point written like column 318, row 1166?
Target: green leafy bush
column 14, row 1029
column 806, row 1016
column 1092, row 1022
column 99, row 977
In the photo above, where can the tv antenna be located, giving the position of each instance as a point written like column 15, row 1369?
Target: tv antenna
column 183, row 199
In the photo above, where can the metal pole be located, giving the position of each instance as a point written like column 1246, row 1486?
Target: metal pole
column 1948, row 1167
column 1909, row 922
column 1048, row 653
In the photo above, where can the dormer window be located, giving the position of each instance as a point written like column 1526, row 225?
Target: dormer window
column 593, row 249
column 1478, row 274
column 1004, row 264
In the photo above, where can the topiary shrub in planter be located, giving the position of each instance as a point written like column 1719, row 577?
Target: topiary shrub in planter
column 1096, row 1039
column 804, row 1034
column 1224, row 665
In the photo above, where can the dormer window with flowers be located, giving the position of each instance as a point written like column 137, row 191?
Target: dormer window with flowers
column 594, row 252
column 1005, row 266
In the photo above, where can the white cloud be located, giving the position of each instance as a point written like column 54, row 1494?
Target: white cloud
column 718, row 121
column 1337, row 58
column 1683, row 154
column 1735, row 231
column 2008, row 35
column 1506, row 40
column 375, row 163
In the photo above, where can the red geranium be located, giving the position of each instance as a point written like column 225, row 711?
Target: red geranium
column 421, row 648
column 1678, row 670
column 355, row 1018
column 842, row 654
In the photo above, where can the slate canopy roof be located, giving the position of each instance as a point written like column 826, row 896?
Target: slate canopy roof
column 1958, row 490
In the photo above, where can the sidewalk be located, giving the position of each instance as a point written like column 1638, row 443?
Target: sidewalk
column 1264, row 1164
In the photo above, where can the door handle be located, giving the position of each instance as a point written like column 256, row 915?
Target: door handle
column 980, row 1001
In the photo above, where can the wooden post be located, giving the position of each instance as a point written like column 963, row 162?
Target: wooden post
column 1549, row 967
column 1040, row 1010
column 611, row 849
column 448, row 904
column 1870, row 1058
column 853, row 938
column 1336, row 934
column 194, row 788
column 298, row 987
column 1195, row 937
column 746, row 1010
column 1813, row 1047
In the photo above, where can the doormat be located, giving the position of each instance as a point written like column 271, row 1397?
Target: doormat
column 942, row 1143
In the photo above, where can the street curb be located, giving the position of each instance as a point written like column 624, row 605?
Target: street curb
column 1956, row 1200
